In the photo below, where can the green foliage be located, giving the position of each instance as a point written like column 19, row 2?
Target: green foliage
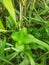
column 2, row 46
column 1, row 25
column 24, row 32
column 9, row 6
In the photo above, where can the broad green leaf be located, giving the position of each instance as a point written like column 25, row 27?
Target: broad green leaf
column 19, row 48
column 9, row 6
column 45, row 45
column 20, row 36
column 31, row 38
column 15, row 36
column 37, row 46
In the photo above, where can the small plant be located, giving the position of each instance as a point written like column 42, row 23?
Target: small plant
column 24, row 32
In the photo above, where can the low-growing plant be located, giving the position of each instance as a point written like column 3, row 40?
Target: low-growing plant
column 24, row 32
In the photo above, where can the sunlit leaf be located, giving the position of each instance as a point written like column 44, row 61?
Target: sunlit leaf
column 9, row 6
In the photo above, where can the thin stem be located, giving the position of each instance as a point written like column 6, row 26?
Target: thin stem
column 21, row 11
column 6, row 30
column 21, row 15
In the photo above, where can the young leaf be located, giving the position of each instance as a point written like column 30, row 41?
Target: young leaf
column 19, row 48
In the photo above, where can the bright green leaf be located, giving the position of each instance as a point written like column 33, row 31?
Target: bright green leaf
column 9, row 6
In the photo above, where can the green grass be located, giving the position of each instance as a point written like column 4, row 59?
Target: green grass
column 24, row 32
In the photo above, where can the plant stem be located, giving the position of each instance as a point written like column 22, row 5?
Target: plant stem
column 21, row 11
column 21, row 15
